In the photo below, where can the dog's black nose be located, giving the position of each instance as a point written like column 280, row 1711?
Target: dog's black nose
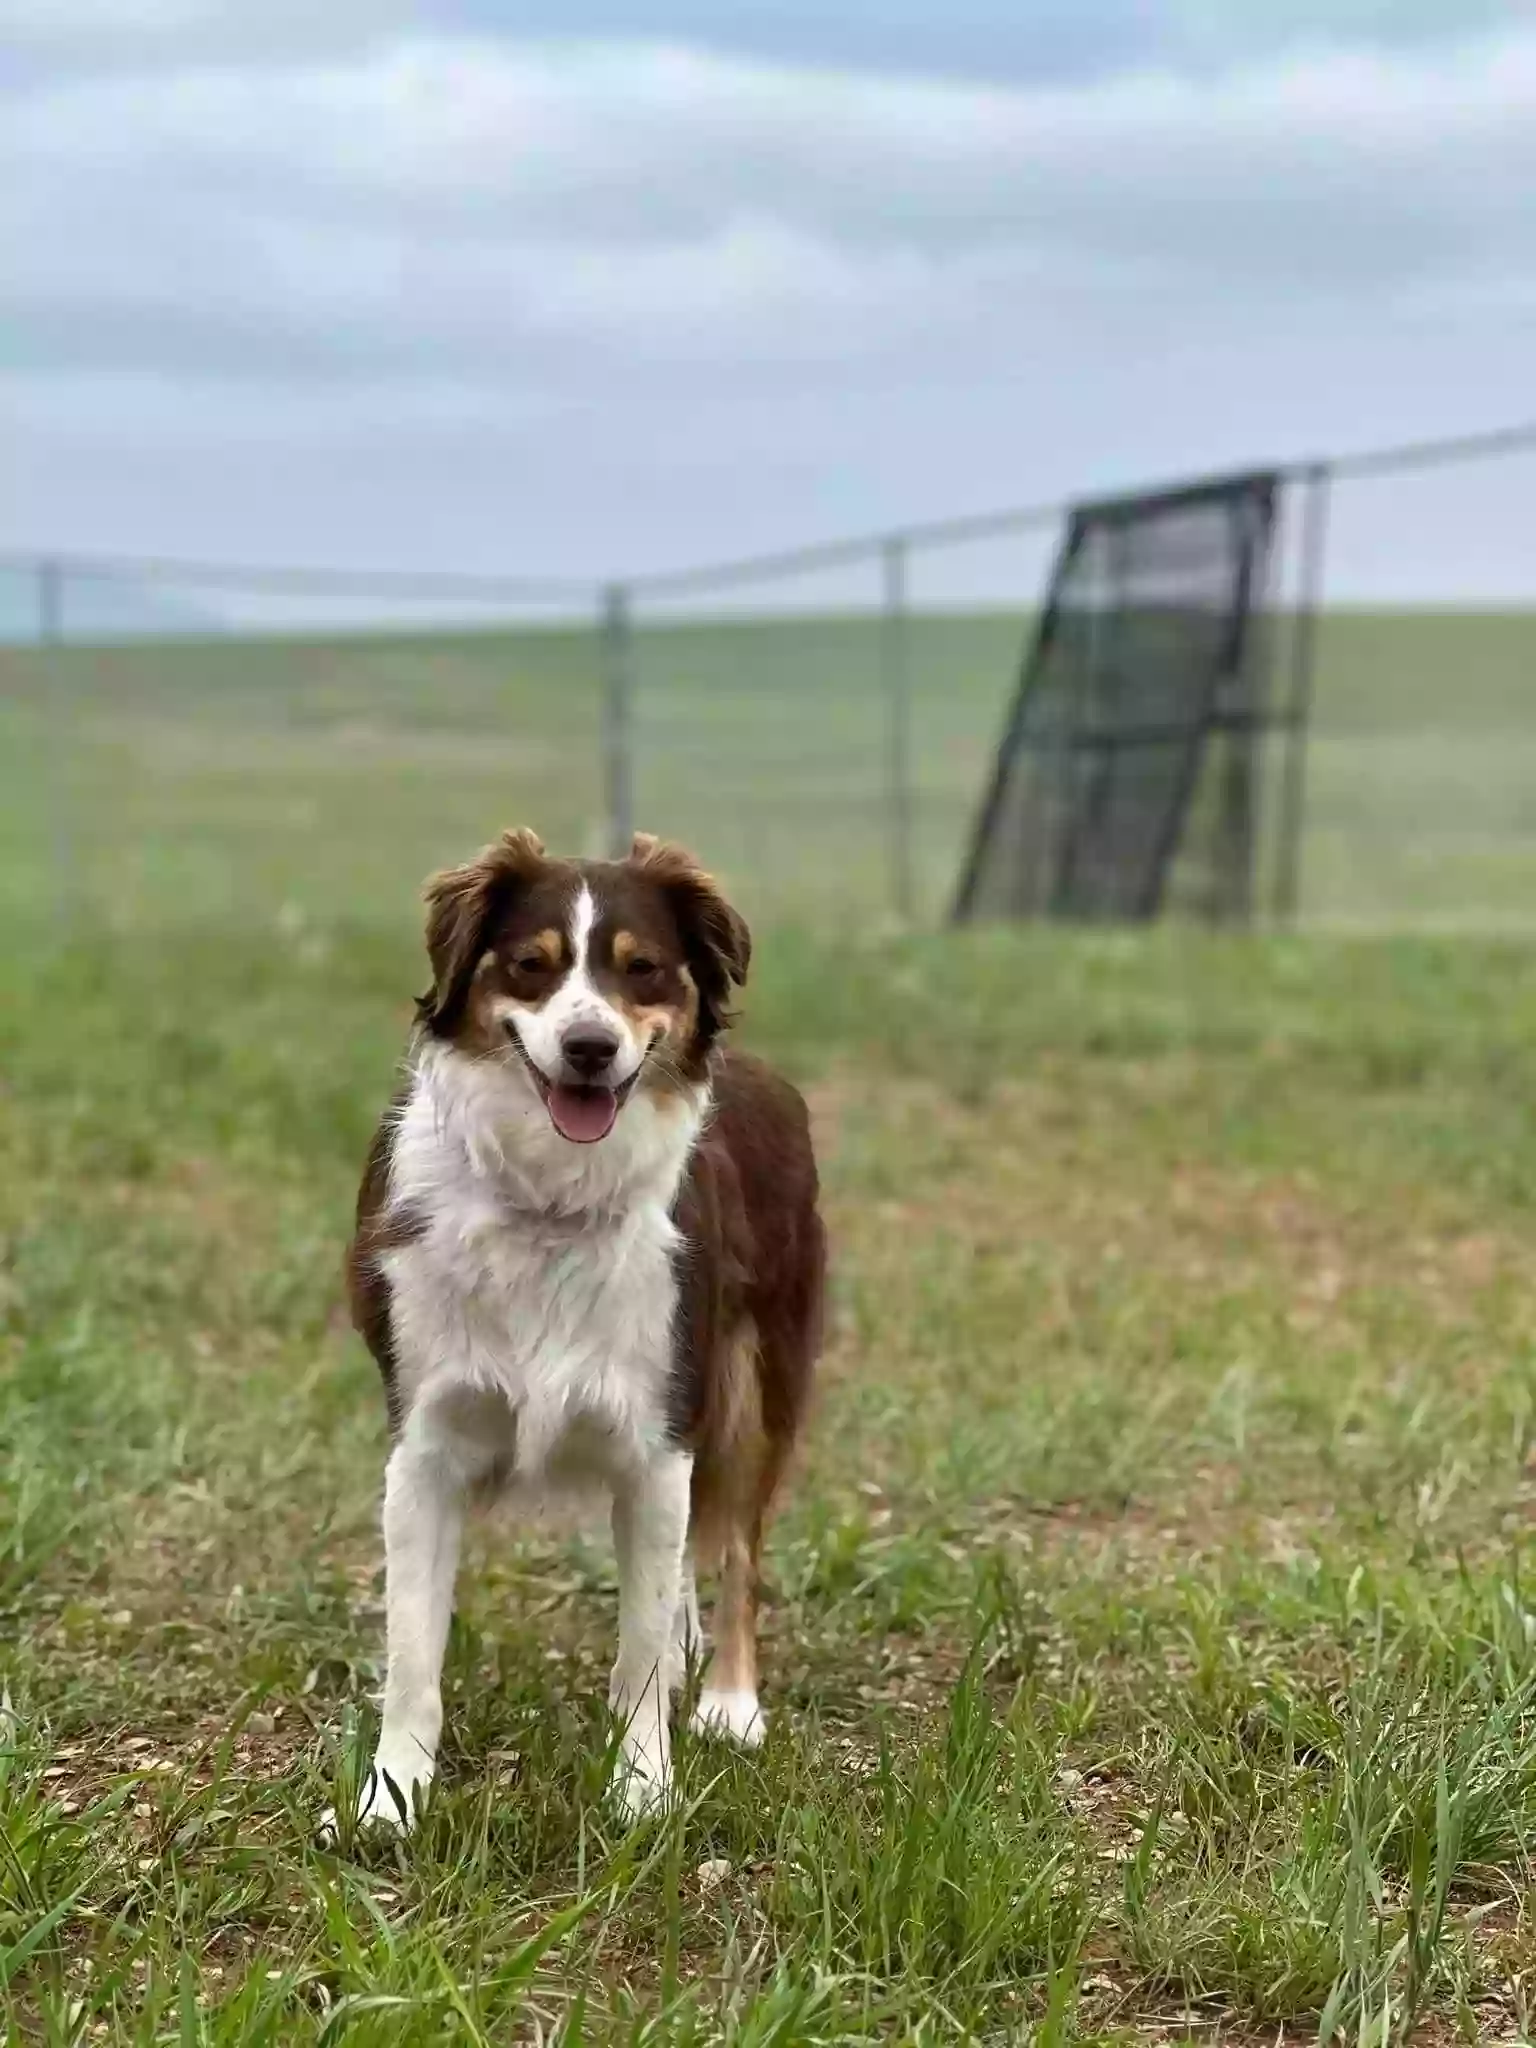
column 588, row 1049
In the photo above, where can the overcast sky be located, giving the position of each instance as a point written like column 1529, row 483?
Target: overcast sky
column 574, row 287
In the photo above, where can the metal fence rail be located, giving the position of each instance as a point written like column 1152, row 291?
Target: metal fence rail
column 749, row 700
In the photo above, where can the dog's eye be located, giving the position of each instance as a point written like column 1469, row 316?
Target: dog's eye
column 642, row 968
column 530, row 963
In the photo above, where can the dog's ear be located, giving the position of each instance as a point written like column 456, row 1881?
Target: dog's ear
column 715, row 936
column 461, row 903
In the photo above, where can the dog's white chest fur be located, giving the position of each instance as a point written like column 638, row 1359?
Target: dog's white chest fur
column 539, row 1273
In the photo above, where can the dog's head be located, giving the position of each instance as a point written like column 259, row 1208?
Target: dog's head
column 594, row 977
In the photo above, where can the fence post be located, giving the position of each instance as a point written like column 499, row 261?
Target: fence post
column 618, row 725
column 898, row 723
column 1315, row 482
column 67, row 879
column 50, row 602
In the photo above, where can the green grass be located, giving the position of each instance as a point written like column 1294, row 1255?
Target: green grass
column 314, row 777
column 1152, row 1635
column 1150, row 1643
column 331, row 775
column 1422, row 772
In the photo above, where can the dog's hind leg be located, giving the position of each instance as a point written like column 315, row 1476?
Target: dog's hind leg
column 728, row 1704
column 768, row 1385
column 731, row 1508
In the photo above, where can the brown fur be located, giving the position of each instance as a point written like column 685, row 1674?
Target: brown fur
column 376, row 1229
column 750, row 1319
column 754, row 1271
column 461, row 903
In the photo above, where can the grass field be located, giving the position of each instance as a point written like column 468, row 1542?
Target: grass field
column 240, row 776
column 1151, row 1642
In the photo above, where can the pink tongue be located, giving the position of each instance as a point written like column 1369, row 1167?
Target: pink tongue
column 583, row 1114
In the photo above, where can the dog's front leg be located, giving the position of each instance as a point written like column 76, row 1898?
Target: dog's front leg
column 650, row 1531
column 424, row 1496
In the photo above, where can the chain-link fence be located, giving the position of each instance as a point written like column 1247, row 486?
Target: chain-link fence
column 823, row 725
column 1419, row 766
column 187, row 742
column 264, row 757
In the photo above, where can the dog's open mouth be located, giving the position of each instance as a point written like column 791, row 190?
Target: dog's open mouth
column 581, row 1113
column 584, row 1115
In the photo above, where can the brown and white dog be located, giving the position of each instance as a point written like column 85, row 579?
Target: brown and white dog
column 587, row 1249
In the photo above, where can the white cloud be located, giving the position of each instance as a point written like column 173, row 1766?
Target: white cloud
column 437, row 195
column 375, row 245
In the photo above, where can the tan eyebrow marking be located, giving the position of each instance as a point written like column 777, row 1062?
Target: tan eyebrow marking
column 625, row 948
column 549, row 944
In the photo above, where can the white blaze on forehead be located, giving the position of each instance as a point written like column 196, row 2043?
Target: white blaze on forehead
column 578, row 996
column 583, row 917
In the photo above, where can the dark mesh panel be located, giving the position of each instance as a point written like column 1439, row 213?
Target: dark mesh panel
column 1125, row 782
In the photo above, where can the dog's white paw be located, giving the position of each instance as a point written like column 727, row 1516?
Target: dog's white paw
column 391, row 1799
column 641, row 1785
column 734, row 1716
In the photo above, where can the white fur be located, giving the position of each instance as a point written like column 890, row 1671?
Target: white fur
column 734, row 1714
column 688, row 1629
column 650, row 1533
column 532, row 1321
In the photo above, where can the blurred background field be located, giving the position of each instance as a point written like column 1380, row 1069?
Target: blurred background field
column 321, row 778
